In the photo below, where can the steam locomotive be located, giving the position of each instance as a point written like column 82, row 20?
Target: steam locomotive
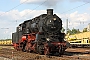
column 41, row 35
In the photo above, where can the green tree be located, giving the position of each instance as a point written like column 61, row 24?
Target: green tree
column 69, row 31
column 85, row 30
column 73, row 31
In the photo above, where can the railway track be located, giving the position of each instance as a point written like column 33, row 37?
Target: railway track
column 71, row 53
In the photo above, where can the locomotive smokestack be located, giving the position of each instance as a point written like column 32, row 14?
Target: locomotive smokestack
column 49, row 11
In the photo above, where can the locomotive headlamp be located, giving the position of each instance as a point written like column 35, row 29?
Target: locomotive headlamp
column 54, row 18
column 50, row 21
column 47, row 39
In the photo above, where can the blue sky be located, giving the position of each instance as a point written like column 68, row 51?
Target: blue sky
column 13, row 12
column 62, row 6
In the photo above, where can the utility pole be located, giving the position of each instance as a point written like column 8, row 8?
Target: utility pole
column 66, row 26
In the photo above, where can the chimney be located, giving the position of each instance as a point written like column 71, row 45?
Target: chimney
column 49, row 11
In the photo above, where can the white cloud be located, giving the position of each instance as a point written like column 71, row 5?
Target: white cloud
column 13, row 18
column 80, row 1
column 76, row 20
column 31, row 13
column 31, row 1
column 47, row 3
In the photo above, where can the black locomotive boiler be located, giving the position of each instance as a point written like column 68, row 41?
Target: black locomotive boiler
column 41, row 34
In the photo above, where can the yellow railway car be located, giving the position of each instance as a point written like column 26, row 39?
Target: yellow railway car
column 79, row 40
column 81, row 35
column 5, row 42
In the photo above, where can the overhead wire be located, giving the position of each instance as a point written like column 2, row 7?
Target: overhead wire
column 23, row 3
column 14, row 7
column 42, row 4
column 62, row 12
column 37, row 6
column 75, row 7
column 34, row 8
